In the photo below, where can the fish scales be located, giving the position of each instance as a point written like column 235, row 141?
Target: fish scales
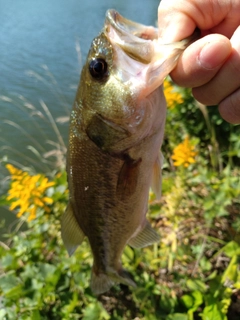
column 116, row 132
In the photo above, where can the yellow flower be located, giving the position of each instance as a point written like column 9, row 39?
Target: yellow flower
column 172, row 96
column 28, row 192
column 13, row 170
column 184, row 154
column 32, row 213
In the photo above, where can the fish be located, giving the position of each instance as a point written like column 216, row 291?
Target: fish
column 115, row 137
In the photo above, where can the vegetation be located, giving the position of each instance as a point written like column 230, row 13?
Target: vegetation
column 193, row 273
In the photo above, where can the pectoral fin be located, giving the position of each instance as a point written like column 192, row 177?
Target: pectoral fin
column 145, row 237
column 72, row 234
column 157, row 176
column 128, row 178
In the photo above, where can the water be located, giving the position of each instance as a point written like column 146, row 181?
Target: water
column 39, row 61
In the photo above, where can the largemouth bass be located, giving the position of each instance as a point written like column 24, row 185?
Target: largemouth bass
column 116, row 132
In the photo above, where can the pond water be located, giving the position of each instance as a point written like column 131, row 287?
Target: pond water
column 43, row 44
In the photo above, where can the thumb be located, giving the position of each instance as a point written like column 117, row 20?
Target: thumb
column 200, row 62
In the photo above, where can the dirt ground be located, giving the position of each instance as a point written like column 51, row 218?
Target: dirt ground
column 234, row 309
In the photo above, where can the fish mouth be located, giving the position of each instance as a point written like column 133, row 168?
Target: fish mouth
column 134, row 38
column 138, row 41
column 128, row 28
column 139, row 55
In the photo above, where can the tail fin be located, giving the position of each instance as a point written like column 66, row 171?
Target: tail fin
column 104, row 281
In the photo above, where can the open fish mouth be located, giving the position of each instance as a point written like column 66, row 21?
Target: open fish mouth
column 141, row 44
column 128, row 28
column 137, row 40
column 134, row 38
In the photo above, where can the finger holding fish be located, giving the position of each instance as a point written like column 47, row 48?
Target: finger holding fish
column 211, row 65
column 201, row 61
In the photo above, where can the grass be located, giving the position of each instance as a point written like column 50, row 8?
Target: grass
column 193, row 273
column 45, row 149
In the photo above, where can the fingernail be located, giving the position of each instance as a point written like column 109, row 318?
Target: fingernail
column 213, row 54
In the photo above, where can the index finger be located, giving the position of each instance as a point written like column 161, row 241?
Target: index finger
column 177, row 19
column 173, row 23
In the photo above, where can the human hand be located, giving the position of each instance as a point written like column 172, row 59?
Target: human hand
column 210, row 65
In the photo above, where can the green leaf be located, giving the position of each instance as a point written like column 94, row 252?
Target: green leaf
column 4, row 201
column 231, row 273
column 3, row 313
column 198, row 298
column 7, row 260
column 48, row 272
column 15, row 292
column 72, row 303
column 205, row 264
column 177, row 316
column 167, row 303
column 192, row 301
column 36, row 315
column 95, row 311
column 196, row 285
column 187, row 300
column 213, row 313
column 128, row 254
column 208, row 204
column 231, row 249
column 147, row 316
column 8, row 282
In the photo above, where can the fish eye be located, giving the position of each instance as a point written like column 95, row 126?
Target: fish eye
column 98, row 68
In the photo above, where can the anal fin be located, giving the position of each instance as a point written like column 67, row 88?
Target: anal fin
column 72, row 234
column 102, row 282
column 145, row 237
